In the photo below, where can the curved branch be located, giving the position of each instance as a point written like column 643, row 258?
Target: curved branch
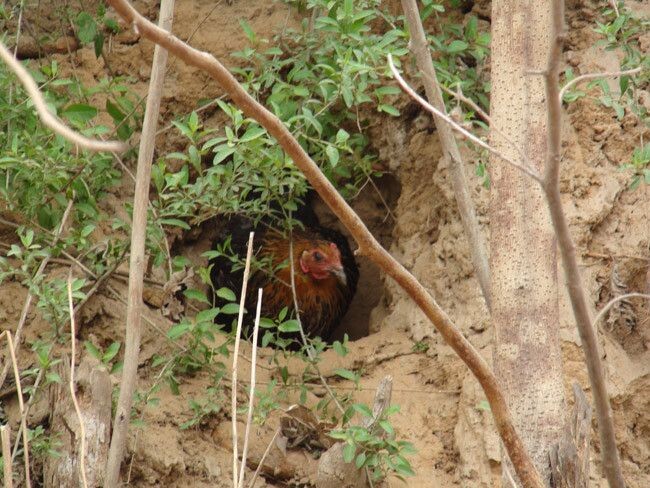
column 591, row 76
column 50, row 120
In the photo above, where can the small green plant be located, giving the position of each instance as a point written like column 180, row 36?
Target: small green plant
column 640, row 166
column 211, row 405
column 375, row 448
column 106, row 357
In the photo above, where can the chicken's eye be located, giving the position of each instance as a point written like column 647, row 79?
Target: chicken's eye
column 318, row 256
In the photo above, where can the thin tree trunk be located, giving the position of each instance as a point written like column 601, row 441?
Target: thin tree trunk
column 528, row 358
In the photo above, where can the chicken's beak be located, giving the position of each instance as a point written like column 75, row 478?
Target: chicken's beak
column 339, row 271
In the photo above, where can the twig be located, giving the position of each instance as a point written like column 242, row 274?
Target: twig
column 30, row 402
column 477, row 245
column 233, row 390
column 261, row 463
column 613, row 301
column 251, row 396
column 551, row 186
column 412, row 93
column 21, row 405
column 6, row 457
column 367, row 243
column 30, row 297
column 137, row 256
column 73, row 347
column 50, row 120
column 591, row 76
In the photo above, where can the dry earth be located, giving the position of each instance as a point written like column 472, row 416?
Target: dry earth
column 441, row 404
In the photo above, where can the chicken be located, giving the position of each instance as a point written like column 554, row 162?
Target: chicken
column 326, row 273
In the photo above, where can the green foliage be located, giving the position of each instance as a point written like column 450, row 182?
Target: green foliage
column 640, row 166
column 375, row 448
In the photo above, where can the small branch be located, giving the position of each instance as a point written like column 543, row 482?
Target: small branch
column 21, row 404
column 6, row 457
column 591, row 76
column 73, row 395
column 52, row 121
column 251, row 396
column 412, row 93
column 477, row 245
column 551, row 186
column 137, row 256
column 613, row 301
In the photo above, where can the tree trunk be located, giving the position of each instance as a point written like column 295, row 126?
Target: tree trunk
column 528, row 358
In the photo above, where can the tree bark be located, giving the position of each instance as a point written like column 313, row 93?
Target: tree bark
column 525, row 313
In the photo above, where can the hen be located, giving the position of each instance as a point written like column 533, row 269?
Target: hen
column 326, row 273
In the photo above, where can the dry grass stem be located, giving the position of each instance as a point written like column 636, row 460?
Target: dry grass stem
column 603, row 311
column 21, row 404
column 6, row 456
column 233, row 388
column 251, row 395
column 50, row 120
column 73, row 355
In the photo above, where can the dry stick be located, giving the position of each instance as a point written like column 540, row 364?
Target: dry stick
column 6, row 457
column 411, row 92
column 368, row 245
column 591, row 76
column 30, row 297
column 477, row 244
column 233, row 391
column 73, row 347
column 551, row 186
column 50, row 120
column 23, row 422
column 251, row 396
column 613, row 301
column 137, row 257
column 266, row 453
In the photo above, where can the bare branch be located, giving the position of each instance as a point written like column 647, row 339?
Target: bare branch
column 551, row 186
column 233, row 388
column 477, row 245
column 50, row 120
column 82, row 427
column 613, row 301
column 412, row 93
column 591, row 76
column 137, row 256
column 367, row 243
column 251, row 395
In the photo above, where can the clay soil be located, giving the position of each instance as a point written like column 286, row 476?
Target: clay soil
column 442, row 407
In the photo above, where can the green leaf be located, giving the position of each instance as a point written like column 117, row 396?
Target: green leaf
column 289, row 326
column 175, row 223
column 362, row 409
column 230, row 309
column 207, row 315
column 86, row 28
column 111, row 352
column 92, row 350
column 178, row 330
column 252, row 133
column 457, row 46
column 197, row 295
column 389, row 109
column 347, row 374
column 79, row 112
column 226, row 294
column 332, row 154
column 360, row 460
column 348, row 452
column 247, row 30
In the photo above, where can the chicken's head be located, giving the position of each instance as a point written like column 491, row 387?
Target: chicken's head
column 323, row 261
